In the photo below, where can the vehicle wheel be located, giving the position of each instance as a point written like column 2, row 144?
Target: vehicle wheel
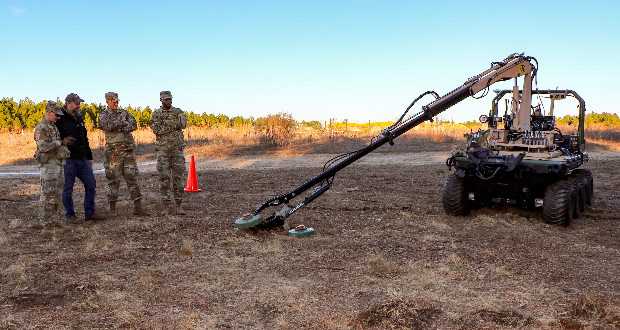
column 454, row 197
column 580, row 185
column 559, row 203
column 575, row 197
column 590, row 191
column 587, row 174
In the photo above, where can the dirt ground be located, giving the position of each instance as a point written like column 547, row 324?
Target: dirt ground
column 385, row 255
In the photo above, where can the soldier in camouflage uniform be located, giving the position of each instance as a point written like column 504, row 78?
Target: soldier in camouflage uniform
column 120, row 159
column 51, row 154
column 168, row 123
column 481, row 139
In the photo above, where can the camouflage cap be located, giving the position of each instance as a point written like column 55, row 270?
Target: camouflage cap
column 111, row 96
column 165, row 95
column 73, row 98
column 53, row 107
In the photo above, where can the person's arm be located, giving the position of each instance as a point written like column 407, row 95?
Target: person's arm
column 131, row 124
column 43, row 143
column 156, row 123
column 60, row 125
column 89, row 153
column 182, row 120
column 107, row 123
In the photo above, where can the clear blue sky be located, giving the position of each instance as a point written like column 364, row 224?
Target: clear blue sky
column 352, row 59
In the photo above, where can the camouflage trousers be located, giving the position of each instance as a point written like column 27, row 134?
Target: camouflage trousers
column 52, row 182
column 171, row 167
column 121, row 164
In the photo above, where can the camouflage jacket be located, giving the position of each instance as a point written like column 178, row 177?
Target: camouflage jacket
column 168, row 127
column 48, row 141
column 117, row 126
column 481, row 138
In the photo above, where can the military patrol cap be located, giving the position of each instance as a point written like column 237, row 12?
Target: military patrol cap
column 53, row 107
column 165, row 95
column 111, row 96
column 73, row 98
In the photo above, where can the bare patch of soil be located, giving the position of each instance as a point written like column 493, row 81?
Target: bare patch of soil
column 385, row 255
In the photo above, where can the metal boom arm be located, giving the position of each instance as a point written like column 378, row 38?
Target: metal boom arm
column 512, row 67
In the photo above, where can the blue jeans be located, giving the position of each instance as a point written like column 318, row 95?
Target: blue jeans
column 81, row 169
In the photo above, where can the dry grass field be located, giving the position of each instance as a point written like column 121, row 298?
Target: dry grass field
column 385, row 254
column 17, row 148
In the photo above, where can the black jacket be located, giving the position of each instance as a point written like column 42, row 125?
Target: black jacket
column 70, row 126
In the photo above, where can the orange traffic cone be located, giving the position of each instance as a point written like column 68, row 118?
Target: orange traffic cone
column 192, row 180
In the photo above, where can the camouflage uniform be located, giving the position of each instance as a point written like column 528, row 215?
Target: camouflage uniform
column 481, row 138
column 168, row 127
column 120, row 159
column 50, row 155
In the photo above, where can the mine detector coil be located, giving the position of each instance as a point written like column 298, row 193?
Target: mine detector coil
column 513, row 66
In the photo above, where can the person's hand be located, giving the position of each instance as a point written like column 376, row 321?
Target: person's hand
column 69, row 140
column 91, row 162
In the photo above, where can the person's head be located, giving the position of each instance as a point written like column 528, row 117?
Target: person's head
column 73, row 102
column 166, row 99
column 111, row 99
column 52, row 111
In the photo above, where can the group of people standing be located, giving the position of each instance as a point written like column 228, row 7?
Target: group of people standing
column 63, row 153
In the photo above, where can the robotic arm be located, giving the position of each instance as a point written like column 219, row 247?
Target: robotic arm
column 513, row 66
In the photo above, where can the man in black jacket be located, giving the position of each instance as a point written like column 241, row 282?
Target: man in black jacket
column 80, row 164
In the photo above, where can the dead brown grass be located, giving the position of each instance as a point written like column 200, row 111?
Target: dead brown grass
column 596, row 131
column 187, row 247
column 399, row 313
column 16, row 146
column 3, row 239
column 15, row 272
column 603, row 145
column 225, row 142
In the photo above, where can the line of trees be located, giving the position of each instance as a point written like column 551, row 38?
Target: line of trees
column 605, row 118
column 27, row 114
column 608, row 119
column 15, row 116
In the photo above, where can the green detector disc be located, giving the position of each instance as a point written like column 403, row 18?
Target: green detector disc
column 301, row 231
column 248, row 221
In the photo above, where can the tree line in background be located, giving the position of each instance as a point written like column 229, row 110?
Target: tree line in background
column 608, row 119
column 27, row 114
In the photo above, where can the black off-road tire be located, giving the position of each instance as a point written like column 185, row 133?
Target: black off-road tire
column 587, row 174
column 580, row 185
column 559, row 203
column 454, row 197
column 575, row 195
